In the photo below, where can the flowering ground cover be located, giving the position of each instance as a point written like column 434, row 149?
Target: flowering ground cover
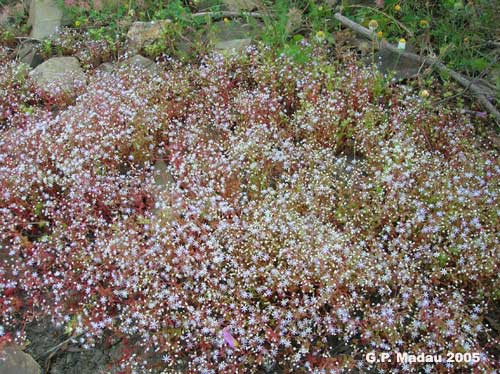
column 309, row 214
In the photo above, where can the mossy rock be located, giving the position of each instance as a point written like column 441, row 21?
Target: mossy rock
column 15, row 361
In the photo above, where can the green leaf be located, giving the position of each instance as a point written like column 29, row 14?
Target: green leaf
column 442, row 259
column 38, row 208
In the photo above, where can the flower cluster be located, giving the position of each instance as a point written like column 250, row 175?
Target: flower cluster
column 250, row 213
column 92, row 47
column 17, row 93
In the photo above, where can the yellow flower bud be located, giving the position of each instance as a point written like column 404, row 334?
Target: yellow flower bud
column 373, row 25
column 320, row 36
column 379, row 34
column 397, row 7
column 424, row 94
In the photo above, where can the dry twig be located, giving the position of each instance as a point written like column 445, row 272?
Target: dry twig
column 229, row 14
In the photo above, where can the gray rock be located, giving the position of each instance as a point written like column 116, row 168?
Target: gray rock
column 142, row 34
column 59, row 72
column 295, row 20
column 106, row 67
column 45, row 17
column 362, row 45
column 241, row 5
column 28, row 53
column 163, row 179
column 15, row 361
column 222, row 31
column 162, row 175
column 232, row 36
column 233, row 46
column 402, row 67
column 141, row 62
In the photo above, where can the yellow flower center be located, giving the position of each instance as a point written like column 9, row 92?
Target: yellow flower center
column 320, row 35
column 424, row 93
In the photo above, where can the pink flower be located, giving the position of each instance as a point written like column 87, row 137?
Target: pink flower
column 229, row 338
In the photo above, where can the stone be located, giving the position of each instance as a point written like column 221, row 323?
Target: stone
column 486, row 88
column 162, row 175
column 222, row 31
column 231, row 36
column 141, row 62
column 163, row 211
column 45, row 18
column 241, row 5
column 362, row 45
column 233, row 46
column 294, row 21
column 15, row 361
column 142, row 34
column 106, row 67
column 64, row 73
column 28, row 53
column 402, row 67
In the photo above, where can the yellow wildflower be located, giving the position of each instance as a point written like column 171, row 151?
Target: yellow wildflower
column 373, row 25
column 424, row 94
column 320, row 36
column 397, row 8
